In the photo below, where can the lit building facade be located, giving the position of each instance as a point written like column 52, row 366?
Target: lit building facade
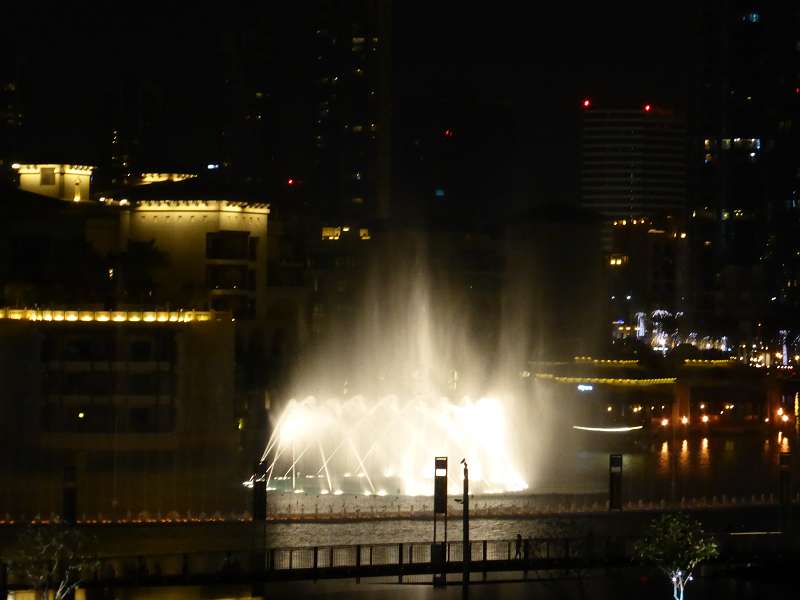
column 65, row 182
column 140, row 403
column 217, row 250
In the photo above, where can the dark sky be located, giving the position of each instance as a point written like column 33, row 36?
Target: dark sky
column 535, row 59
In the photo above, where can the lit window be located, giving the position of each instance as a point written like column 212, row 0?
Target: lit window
column 358, row 40
column 358, row 128
column 439, row 193
column 617, row 261
column 358, row 200
column 331, row 233
column 47, row 176
column 363, row 233
column 357, row 176
column 752, row 17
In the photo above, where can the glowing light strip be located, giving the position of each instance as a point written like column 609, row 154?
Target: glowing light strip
column 606, row 361
column 701, row 362
column 608, row 429
column 756, row 533
column 607, row 380
column 105, row 316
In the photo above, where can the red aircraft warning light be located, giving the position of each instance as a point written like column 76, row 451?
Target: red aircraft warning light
column 290, row 181
column 647, row 108
column 448, row 133
column 586, row 103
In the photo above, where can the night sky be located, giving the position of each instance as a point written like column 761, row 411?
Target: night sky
column 77, row 67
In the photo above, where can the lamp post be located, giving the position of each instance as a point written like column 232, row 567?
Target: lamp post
column 466, row 553
column 259, row 527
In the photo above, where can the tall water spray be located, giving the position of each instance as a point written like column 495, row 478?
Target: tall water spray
column 409, row 379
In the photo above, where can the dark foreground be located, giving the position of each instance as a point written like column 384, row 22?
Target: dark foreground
column 620, row 583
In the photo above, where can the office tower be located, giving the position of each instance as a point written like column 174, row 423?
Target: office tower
column 352, row 111
column 745, row 159
column 633, row 162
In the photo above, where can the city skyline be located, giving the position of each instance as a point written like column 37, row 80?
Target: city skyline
column 173, row 87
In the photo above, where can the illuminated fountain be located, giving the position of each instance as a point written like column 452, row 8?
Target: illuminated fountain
column 406, row 383
column 387, row 445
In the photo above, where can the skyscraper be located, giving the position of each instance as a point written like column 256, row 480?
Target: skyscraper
column 633, row 162
column 745, row 157
column 352, row 110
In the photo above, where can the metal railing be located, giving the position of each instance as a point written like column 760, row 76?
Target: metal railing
column 398, row 559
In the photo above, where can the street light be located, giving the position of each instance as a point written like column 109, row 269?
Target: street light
column 466, row 552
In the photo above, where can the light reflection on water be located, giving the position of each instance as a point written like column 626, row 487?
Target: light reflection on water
column 710, row 465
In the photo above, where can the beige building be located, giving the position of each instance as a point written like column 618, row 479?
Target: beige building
column 217, row 250
column 65, row 182
column 141, row 403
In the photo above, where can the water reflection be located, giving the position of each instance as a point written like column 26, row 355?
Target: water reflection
column 684, row 457
column 663, row 459
column 705, row 455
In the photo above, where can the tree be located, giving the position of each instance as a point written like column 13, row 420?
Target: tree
column 52, row 558
column 676, row 544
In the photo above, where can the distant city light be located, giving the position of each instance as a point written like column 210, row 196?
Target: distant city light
column 704, row 418
column 664, row 422
column 15, row 166
column 685, row 420
column 582, row 387
column 785, row 418
column 81, row 415
column 212, row 166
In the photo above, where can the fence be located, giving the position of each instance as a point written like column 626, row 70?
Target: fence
column 393, row 560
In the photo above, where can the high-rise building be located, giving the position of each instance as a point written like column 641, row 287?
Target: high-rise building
column 633, row 162
column 352, row 111
column 745, row 159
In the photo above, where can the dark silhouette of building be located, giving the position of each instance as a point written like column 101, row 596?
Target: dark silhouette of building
column 745, row 156
column 11, row 119
column 633, row 162
column 352, row 111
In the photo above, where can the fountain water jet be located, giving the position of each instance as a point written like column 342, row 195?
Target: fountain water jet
column 425, row 387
